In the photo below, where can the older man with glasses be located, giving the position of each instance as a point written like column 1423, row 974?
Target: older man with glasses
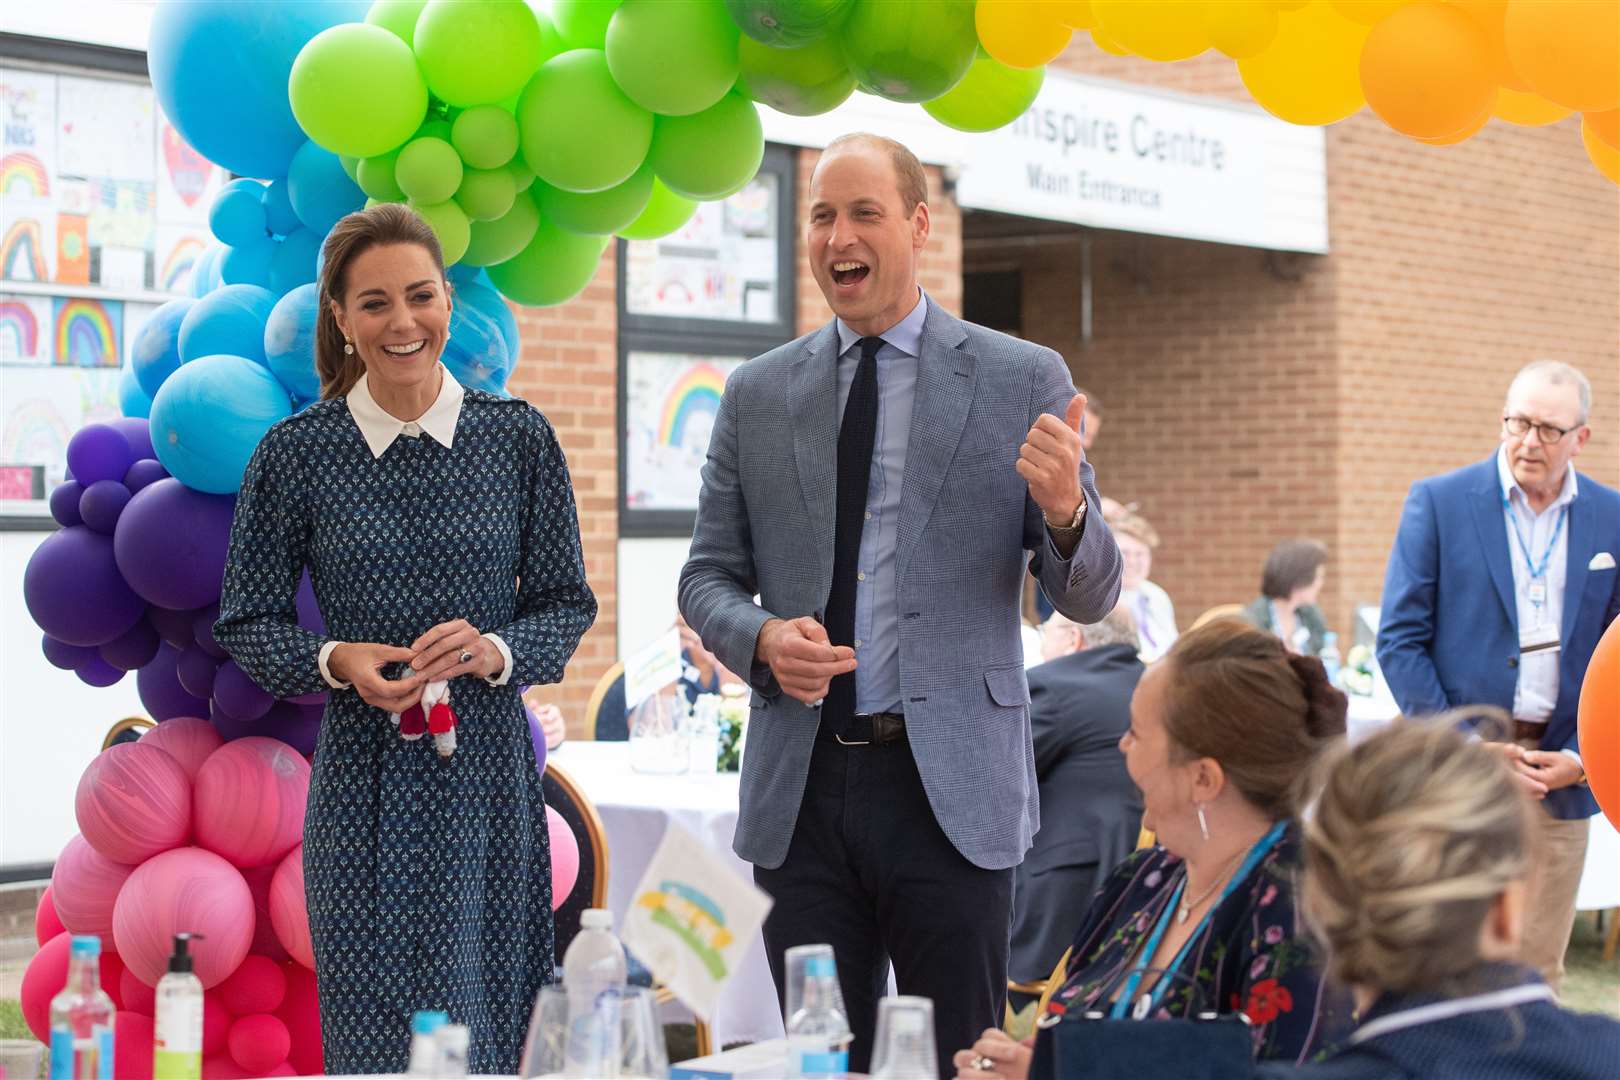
column 1501, row 581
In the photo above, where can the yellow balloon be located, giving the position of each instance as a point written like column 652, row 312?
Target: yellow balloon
column 1527, row 110
column 1108, row 44
column 1288, row 5
column 1605, row 125
column 1311, row 74
column 1020, row 33
column 1156, row 29
column 1367, row 12
column 1240, row 28
column 1604, row 156
column 1075, row 14
column 1468, row 132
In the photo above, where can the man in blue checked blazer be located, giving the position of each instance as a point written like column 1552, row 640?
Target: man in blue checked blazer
column 879, row 484
column 1501, row 581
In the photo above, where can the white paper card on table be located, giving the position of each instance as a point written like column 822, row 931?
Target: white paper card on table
column 692, row 920
column 651, row 668
column 755, row 1061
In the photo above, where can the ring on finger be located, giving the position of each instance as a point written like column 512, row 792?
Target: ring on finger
column 982, row 1063
column 465, row 657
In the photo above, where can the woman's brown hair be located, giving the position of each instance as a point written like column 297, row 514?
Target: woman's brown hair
column 1236, row 694
column 378, row 226
column 1291, row 565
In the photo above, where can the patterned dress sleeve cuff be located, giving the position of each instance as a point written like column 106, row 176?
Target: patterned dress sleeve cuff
column 506, row 665
column 326, row 672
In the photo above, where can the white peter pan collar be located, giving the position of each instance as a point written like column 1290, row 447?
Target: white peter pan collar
column 380, row 428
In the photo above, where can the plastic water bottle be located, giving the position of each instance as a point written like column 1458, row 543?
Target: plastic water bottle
column 453, row 1043
column 177, row 1037
column 594, row 975
column 703, row 736
column 424, row 1061
column 82, row 1018
column 1330, row 656
column 818, row 1033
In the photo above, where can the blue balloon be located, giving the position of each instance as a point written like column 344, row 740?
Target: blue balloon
column 294, row 261
column 132, row 399
column 466, row 274
column 289, row 342
column 220, row 69
column 157, row 347
column 209, row 416
column 278, row 209
column 321, row 192
column 477, row 353
column 228, row 320
column 249, row 265
column 205, row 271
column 237, row 217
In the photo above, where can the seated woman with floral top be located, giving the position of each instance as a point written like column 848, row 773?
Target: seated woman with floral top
column 1221, row 731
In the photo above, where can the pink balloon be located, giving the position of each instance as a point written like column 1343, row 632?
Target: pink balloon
column 216, row 1025
column 221, row 1067
column 136, row 995
column 132, row 1046
column 47, row 924
column 259, row 1043
column 42, row 980
column 112, row 976
column 133, row 802
column 265, row 942
column 564, row 858
column 84, row 887
column 288, row 913
column 187, row 889
column 301, row 1013
column 249, row 800
column 187, row 739
column 258, row 986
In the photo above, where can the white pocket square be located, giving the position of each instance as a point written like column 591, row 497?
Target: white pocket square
column 1601, row 561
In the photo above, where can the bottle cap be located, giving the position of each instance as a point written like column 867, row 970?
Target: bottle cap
column 427, row 1022
column 85, row 945
column 180, row 958
column 596, row 919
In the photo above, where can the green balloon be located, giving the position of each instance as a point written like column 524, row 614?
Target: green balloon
column 909, row 50
column 554, row 267
column 601, row 213
column 674, row 57
column 582, row 24
column 398, row 17
column 712, row 154
column 450, row 225
column 486, row 194
column 355, row 89
column 428, row 170
column 522, row 175
column 435, row 127
column 990, row 96
column 486, row 136
column 805, row 81
column 351, row 165
column 477, row 51
column 577, row 129
column 375, row 175
column 496, row 241
column 788, row 24
column 666, row 212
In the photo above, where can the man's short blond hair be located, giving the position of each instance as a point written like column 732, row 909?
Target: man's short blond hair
column 909, row 177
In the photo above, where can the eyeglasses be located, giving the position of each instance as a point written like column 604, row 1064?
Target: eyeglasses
column 1519, row 426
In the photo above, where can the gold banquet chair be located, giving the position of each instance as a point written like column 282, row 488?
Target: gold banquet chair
column 1219, row 611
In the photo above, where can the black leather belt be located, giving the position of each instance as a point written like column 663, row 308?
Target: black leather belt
column 873, row 729
column 1524, row 731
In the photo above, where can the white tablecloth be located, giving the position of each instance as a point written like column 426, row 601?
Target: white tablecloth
column 635, row 810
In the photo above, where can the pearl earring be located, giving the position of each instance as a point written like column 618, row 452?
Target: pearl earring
column 348, row 348
column 1203, row 825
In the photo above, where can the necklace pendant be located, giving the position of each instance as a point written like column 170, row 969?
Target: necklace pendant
column 1182, row 912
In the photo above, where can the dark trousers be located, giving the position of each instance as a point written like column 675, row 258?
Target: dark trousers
column 870, row 873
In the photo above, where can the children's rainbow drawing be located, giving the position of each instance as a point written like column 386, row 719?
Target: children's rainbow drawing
column 86, row 333
column 689, row 914
column 22, row 252
column 22, row 175
column 19, row 330
column 177, row 266
column 697, row 391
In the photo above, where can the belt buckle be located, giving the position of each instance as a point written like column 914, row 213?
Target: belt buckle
column 870, row 726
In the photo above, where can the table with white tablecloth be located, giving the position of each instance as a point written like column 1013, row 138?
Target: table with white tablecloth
column 635, row 809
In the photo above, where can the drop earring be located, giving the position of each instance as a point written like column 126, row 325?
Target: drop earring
column 1203, row 825
column 348, row 348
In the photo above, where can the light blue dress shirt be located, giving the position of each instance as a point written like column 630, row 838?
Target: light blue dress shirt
column 877, row 600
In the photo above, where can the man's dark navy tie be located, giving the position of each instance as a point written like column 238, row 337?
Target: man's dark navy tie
column 855, row 437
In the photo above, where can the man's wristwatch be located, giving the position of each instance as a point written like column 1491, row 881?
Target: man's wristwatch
column 1064, row 532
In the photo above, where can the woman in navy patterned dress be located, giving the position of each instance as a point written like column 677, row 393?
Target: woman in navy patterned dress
column 439, row 530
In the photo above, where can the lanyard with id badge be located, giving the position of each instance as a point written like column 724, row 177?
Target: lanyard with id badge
column 1543, row 636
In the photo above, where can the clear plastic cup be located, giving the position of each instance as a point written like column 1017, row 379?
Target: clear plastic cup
column 904, row 1046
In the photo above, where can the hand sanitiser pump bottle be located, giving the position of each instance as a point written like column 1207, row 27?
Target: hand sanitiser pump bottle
column 177, row 1034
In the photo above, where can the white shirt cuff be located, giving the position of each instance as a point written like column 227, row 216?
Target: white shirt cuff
column 506, row 656
column 1578, row 761
column 326, row 672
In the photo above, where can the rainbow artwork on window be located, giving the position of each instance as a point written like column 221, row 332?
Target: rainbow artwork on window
column 87, row 333
column 695, row 395
column 19, row 331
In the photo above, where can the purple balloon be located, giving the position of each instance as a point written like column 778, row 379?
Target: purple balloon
column 160, row 689
column 97, row 672
column 102, row 503
column 99, row 452
column 537, row 736
column 135, row 649
column 296, row 725
column 74, row 591
column 171, row 543
column 65, row 503
column 138, row 433
column 172, row 626
column 196, row 670
column 309, row 612
column 309, row 699
column 65, row 656
column 144, row 473
column 238, row 694
column 202, row 628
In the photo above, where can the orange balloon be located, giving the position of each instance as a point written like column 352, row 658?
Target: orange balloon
column 1490, row 16
column 1527, row 110
column 1020, row 33
column 1599, row 718
column 1367, row 12
column 1427, row 73
column 1462, row 136
column 1567, row 50
column 1604, row 156
column 1605, row 125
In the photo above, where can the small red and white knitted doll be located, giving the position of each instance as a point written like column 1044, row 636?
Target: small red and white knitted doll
column 430, row 715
